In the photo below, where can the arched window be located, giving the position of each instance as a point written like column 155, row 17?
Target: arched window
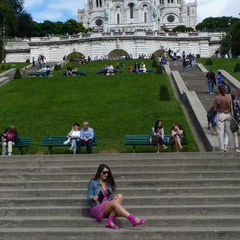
column 145, row 17
column 118, row 18
column 97, row 3
column 100, row 3
column 118, row 14
column 145, row 13
column 131, row 10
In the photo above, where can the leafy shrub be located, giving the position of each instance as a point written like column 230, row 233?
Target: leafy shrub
column 17, row 74
column 153, row 56
column 57, row 67
column 8, row 67
column 164, row 93
column 3, row 68
column 237, row 67
column 159, row 69
column 198, row 55
column 209, row 62
column 28, row 61
column 155, row 63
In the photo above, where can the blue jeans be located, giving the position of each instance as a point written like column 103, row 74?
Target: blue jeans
column 211, row 87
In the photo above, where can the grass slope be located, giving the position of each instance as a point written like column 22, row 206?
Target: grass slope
column 223, row 63
column 8, row 66
column 115, row 106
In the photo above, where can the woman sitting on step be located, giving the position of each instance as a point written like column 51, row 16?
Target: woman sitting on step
column 103, row 203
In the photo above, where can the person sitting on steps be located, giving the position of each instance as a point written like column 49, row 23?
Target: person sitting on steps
column 103, row 203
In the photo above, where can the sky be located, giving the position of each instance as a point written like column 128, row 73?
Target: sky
column 62, row 10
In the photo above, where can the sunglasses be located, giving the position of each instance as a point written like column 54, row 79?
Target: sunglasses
column 105, row 172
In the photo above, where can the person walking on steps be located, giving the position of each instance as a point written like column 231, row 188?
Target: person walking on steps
column 211, row 81
column 222, row 103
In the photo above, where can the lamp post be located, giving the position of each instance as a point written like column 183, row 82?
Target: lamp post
column 3, row 41
column 230, row 40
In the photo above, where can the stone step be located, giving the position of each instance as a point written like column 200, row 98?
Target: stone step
column 155, row 221
column 129, row 233
column 123, row 176
column 129, row 200
column 94, row 160
column 140, row 169
column 231, row 182
column 148, row 210
column 159, row 191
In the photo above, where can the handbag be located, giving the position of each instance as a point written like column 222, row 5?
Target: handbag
column 234, row 125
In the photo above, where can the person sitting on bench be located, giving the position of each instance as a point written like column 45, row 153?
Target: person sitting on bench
column 158, row 135
column 177, row 135
column 73, row 137
column 8, row 140
column 86, row 137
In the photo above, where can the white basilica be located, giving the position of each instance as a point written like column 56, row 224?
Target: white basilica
column 131, row 15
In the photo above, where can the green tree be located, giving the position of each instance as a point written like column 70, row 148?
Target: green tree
column 9, row 11
column 235, row 38
column 73, row 27
column 232, row 39
column 182, row 28
column 24, row 22
column 214, row 24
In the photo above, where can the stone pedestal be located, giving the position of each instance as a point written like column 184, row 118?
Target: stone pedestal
column 105, row 27
column 155, row 25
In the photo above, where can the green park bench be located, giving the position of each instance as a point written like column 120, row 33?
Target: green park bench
column 150, row 70
column 37, row 74
column 21, row 143
column 51, row 142
column 145, row 140
column 81, row 73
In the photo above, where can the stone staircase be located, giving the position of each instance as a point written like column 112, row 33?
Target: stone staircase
column 195, row 81
column 188, row 196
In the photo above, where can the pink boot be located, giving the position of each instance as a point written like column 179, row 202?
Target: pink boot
column 111, row 224
column 132, row 219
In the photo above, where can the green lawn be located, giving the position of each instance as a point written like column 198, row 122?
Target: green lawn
column 115, row 106
column 223, row 63
column 8, row 66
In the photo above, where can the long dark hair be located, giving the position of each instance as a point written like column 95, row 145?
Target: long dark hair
column 156, row 127
column 110, row 180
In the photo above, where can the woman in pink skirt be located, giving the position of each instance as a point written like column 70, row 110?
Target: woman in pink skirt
column 102, row 202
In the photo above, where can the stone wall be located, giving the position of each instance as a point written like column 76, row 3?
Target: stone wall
column 98, row 45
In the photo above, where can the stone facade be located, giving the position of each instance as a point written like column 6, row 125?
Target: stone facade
column 118, row 15
column 101, row 45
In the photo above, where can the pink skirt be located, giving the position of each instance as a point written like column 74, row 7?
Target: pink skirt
column 97, row 211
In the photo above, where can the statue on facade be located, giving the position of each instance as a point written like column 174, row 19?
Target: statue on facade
column 105, row 24
column 105, row 16
column 154, row 13
column 154, row 19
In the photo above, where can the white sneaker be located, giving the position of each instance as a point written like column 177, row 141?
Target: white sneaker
column 238, row 150
column 9, row 154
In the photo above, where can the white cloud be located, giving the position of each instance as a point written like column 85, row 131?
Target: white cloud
column 61, row 10
column 216, row 8
column 28, row 4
